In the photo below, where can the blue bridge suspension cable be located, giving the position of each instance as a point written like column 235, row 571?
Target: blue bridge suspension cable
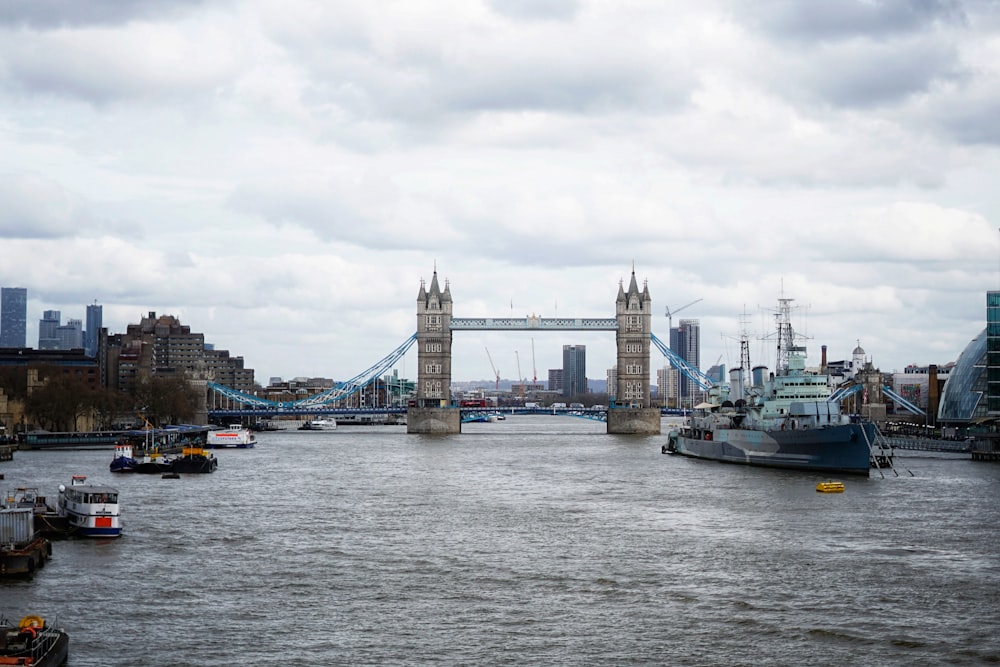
column 340, row 392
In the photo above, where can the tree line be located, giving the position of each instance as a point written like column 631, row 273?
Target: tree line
column 63, row 401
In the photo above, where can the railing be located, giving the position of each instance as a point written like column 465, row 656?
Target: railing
column 928, row 444
column 543, row 323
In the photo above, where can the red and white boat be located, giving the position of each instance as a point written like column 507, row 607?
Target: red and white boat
column 234, row 436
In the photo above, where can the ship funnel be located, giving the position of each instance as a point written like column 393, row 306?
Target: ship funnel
column 736, row 381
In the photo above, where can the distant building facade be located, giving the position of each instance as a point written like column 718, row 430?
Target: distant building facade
column 685, row 340
column 556, row 379
column 667, row 382
column 13, row 317
column 47, row 328
column 162, row 346
column 574, row 370
column 91, row 334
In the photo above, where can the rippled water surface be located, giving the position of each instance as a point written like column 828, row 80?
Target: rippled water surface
column 537, row 540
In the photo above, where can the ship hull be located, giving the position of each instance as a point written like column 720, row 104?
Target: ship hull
column 841, row 449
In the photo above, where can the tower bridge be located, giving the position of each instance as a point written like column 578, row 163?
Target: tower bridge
column 631, row 411
column 432, row 411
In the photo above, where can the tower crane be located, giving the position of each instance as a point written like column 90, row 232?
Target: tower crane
column 671, row 313
column 534, row 370
column 519, row 378
column 495, row 371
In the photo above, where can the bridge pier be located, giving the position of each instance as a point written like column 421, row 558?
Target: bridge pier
column 436, row 421
column 634, row 421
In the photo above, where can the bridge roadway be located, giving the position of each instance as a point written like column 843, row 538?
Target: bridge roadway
column 268, row 413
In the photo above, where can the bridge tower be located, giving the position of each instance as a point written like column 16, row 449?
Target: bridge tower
column 433, row 412
column 631, row 412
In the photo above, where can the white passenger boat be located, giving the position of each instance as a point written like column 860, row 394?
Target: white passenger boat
column 319, row 425
column 234, row 436
column 91, row 510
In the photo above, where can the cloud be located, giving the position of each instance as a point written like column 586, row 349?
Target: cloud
column 846, row 19
column 104, row 64
column 35, row 207
column 45, row 14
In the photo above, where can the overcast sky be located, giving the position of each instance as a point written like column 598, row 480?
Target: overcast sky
column 281, row 175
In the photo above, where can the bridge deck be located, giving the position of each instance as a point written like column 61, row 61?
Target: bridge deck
column 532, row 323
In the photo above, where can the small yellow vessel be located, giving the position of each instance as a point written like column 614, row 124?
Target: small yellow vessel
column 830, row 487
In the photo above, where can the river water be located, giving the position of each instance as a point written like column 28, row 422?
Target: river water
column 537, row 540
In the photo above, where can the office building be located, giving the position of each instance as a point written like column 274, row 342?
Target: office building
column 162, row 346
column 574, row 370
column 685, row 340
column 70, row 335
column 667, row 380
column 95, row 320
column 556, row 379
column 47, row 327
column 13, row 317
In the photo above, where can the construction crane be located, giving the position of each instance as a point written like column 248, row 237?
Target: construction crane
column 534, row 370
column 495, row 371
column 519, row 378
column 670, row 314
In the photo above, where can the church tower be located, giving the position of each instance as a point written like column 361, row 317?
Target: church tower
column 434, row 312
column 635, row 327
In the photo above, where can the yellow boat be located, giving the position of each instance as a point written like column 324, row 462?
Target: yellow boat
column 830, row 487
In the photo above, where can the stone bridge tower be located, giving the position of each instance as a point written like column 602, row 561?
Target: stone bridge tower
column 632, row 412
column 433, row 412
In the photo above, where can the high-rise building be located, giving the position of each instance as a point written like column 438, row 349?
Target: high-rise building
column 574, row 370
column 556, row 379
column 13, row 316
column 993, row 352
column 667, row 379
column 95, row 320
column 47, row 327
column 685, row 340
column 162, row 346
column 70, row 335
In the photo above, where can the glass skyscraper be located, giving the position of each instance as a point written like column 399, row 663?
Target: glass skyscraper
column 95, row 320
column 685, row 340
column 574, row 370
column 13, row 316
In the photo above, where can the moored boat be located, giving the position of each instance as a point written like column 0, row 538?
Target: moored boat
column 124, row 460
column 48, row 522
column 194, row 460
column 91, row 510
column 33, row 642
column 234, row 436
column 782, row 421
column 153, row 463
column 22, row 550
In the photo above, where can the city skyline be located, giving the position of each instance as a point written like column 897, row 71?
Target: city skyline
column 281, row 176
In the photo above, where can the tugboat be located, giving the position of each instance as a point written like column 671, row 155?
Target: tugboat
column 194, row 460
column 32, row 642
column 124, row 460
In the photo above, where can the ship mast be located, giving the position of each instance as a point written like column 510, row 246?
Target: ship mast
column 786, row 337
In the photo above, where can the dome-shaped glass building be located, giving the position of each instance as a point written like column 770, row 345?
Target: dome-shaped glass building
column 963, row 400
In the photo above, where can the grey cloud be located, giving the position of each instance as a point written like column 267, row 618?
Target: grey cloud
column 535, row 9
column 845, row 19
column 971, row 122
column 44, row 14
column 866, row 74
column 34, row 207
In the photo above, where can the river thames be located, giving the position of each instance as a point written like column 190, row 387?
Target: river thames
column 537, row 540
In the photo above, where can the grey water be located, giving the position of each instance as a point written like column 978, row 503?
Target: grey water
column 535, row 540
